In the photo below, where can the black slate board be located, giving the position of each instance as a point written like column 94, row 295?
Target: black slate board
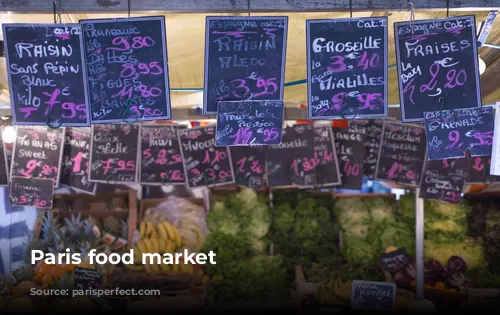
column 160, row 156
column 114, row 154
column 127, row 69
column 248, row 165
column 204, row 163
column 76, row 160
column 395, row 260
column 244, row 59
column 347, row 68
column 292, row 163
column 479, row 171
column 242, row 123
column 448, row 68
column 4, row 165
column 87, row 279
column 46, row 72
column 37, row 152
column 372, row 143
column 327, row 168
column 350, row 143
column 402, row 154
column 451, row 133
column 443, row 179
column 31, row 192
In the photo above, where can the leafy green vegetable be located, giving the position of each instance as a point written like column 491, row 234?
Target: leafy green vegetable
column 352, row 211
column 382, row 210
column 358, row 251
column 385, row 234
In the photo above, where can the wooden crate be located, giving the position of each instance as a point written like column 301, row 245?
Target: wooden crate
column 98, row 206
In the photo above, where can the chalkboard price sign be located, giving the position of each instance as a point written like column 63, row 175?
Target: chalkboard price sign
column 325, row 156
column 204, row 163
column 38, row 152
column 46, row 73
column 76, row 160
column 249, row 122
column 248, row 165
column 395, row 260
column 292, row 162
column 437, row 65
column 113, row 153
column 443, row 179
column 347, row 68
column 373, row 295
column 451, row 132
column 402, row 154
column 161, row 160
column 372, row 143
column 350, row 143
column 479, row 171
column 244, row 59
column 87, row 279
column 31, row 192
column 4, row 169
column 127, row 69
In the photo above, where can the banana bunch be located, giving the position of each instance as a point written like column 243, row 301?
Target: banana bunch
column 333, row 291
column 162, row 238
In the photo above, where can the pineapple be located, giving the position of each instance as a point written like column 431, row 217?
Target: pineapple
column 6, row 285
column 95, row 222
column 124, row 229
column 117, row 204
column 80, row 205
column 112, row 225
column 65, row 282
column 61, row 205
column 74, row 228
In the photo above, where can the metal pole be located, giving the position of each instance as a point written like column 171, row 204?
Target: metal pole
column 419, row 243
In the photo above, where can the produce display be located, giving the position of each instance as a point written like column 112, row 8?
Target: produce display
column 369, row 226
column 238, row 225
column 77, row 234
column 303, row 229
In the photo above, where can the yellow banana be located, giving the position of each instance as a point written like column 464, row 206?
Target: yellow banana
column 162, row 231
column 149, row 229
column 137, row 253
column 154, row 267
column 142, row 247
column 178, row 239
column 143, row 229
column 147, row 267
column 200, row 238
column 156, row 245
column 165, row 268
column 169, row 247
column 154, row 233
column 149, row 245
column 175, row 267
column 168, row 229
column 162, row 243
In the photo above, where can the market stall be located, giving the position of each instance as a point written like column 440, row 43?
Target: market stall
column 324, row 159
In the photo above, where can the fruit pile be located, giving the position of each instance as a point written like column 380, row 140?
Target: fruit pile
column 162, row 238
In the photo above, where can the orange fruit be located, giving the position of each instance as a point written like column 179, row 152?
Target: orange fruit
column 57, row 272
column 39, row 266
column 440, row 285
column 47, row 279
